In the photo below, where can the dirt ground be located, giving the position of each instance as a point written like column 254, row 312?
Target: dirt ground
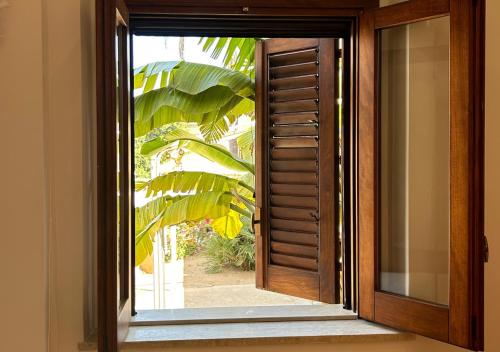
column 195, row 274
column 229, row 288
column 190, row 286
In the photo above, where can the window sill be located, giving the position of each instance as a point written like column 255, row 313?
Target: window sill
column 256, row 333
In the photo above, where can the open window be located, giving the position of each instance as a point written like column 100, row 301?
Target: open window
column 420, row 164
column 369, row 187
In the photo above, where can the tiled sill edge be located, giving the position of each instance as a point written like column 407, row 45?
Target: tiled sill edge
column 256, row 333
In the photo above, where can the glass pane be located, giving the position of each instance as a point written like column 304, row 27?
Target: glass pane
column 415, row 158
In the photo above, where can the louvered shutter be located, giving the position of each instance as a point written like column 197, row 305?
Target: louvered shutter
column 296, row 158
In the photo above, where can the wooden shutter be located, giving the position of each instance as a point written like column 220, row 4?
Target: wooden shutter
column 460, row 321
column 114, row 174
column 297, row 150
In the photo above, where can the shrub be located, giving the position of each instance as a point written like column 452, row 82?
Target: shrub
column 238, row 252
column 189, row 239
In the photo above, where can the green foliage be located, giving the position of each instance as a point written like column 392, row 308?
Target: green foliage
column 166, row 211
column 212, row 152
column 238, row 252
column 189, row 181
column 142, row 164
column 174, row 93
column 239, row 53
column 191, row 92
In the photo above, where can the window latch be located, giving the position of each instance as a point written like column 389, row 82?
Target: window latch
column 486, row 249
column 254, row 222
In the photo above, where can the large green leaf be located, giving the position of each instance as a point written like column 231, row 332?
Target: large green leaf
column 212, row 152
column 188, row 182
column 191, row 92
column 193, row 78
column 173, row 211
column 147, row 75
column 147, row 225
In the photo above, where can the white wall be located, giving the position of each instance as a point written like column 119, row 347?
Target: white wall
column 46, row 51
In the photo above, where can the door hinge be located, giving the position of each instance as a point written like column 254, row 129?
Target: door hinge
column 486, row 249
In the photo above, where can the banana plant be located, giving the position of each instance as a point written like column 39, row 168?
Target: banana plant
column 238, row 53
column 213, row 98
column 180, row 91
column 199, row 195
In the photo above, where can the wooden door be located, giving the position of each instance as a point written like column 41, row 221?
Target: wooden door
column 297, row 173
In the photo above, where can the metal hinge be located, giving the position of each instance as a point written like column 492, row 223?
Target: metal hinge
column 486, row 249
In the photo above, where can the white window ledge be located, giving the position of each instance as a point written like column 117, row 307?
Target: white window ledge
column 256, row 333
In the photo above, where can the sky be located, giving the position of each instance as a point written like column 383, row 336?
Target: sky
column 149, row 49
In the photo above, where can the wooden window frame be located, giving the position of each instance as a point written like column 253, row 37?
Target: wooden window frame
column 461, row 322
column 466, row 323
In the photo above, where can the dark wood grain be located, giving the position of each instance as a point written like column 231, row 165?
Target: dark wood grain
column 294, row 165
column 410, row 11
column 308, row 178
column 293, row 58
column 292, row 261
column 294, row 249
column 295, row 94
column 294, row 202
column 283, row 45
column 295, row 237
column 328, row 169
column 478, row 253
column 461, row 323
column 114, row 242
column 252, row 7
column 403, row 313
column 467, row 173
column 460, row 144
column 366, row 178
column 294, row 282
column 303, row 155
column 301, row 69
column 294, row 82
column 310, row 129
column 295, row 190
column 294, row 154
column 261, row 233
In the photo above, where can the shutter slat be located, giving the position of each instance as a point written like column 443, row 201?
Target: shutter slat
column 293, row 58
column 294, row 190
column 306, row 178
column 293, row 82
column 291, row 165
column 294, row 262
column 294, row 94
column 293, row 214
column 294, row 154
column 294, row 250
column 294, row 130
column 293, row 118
column 294, row 237
column 301, row 69
column 294, row 202
column 298, row 142
column 294, row 225
column 294, row 106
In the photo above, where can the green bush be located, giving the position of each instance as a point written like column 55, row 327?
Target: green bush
column 190, row 237
column 238, row 252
